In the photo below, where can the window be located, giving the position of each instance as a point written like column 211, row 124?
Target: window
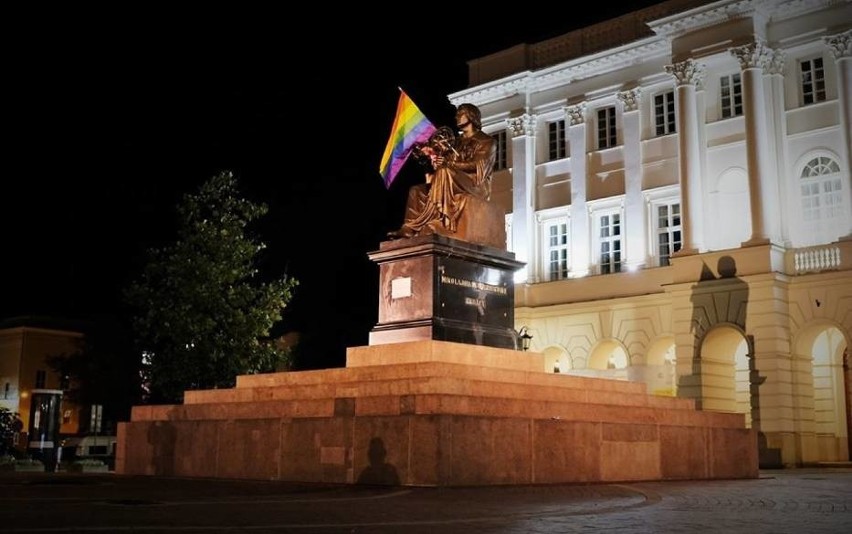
column 813, row 80
column 609, row 239
column 606, row 127
column 731, row 93
column 556, row 140
column 822, row 196
column 668, row 230
column 41, row 377
column 500, row 142
column 556, row 249
column 664, row 113
column 6, row 390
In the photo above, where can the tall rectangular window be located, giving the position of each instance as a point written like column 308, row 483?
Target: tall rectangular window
column 664, row 113
column 557, row 250
column 41, row 378
column 731, row 94
column 606, row 127
column 556, row 140
column 609, row 239
column 813, row 80
column 669, row 231
column 501, row 162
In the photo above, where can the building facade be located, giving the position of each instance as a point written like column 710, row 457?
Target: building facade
column 677, row 181
column 25, row 374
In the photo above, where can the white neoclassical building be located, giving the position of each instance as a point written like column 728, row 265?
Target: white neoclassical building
column 677, row 181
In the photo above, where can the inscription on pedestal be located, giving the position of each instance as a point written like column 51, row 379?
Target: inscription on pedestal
column 435, row 287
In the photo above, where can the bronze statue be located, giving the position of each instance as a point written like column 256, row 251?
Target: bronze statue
column 459, row 170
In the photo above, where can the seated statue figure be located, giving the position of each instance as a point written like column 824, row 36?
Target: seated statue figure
column 458, row 180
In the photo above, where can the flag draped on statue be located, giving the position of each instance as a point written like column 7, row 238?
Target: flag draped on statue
column 410, row 126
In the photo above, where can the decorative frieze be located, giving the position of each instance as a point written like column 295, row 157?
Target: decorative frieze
column 629, row 99
column 687, row 72
column 576, row 114
column 840, row 44
column 521, row 125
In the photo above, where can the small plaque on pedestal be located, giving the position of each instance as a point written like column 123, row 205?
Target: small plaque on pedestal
column 440, row 288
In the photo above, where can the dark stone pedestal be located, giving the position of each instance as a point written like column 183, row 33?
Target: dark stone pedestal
column 440, row 288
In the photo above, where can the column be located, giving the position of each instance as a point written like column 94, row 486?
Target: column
column 575, row 116
column 762, row 187
column 777, row 124
column 635, row 221
column 841, row 48
column 522, row 130
column 687, row 75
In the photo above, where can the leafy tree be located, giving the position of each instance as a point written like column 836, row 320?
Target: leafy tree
column 203, row 316
column 10, row 423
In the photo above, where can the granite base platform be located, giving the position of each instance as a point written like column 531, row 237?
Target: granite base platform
column 435, row 413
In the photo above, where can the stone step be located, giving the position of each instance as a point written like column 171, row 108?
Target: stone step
column 438, row 404
column 559, row 389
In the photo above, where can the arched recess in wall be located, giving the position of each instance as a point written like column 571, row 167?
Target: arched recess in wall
column 824, row 345
column 660, row 376
column 556, row 359
column 729, row 223
column 724, row 364
column 609, row 360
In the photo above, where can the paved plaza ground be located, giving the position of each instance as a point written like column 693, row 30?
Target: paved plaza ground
column 796, row 501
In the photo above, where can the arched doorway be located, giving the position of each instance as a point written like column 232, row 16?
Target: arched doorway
column 723, row 359
column 825, row 348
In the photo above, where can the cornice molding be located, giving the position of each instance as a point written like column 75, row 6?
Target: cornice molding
column 564, row 73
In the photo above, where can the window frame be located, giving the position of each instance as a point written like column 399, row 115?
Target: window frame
column 606, row 127
column 814, row 76
column 556, row 140
column 728, row 103
column 665, row 123
column 551, row 219
column 501, row 161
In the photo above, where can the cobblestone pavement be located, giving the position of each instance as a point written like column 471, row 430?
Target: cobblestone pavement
column 784, row 501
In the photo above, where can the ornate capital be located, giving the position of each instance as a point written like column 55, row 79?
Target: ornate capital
column 753, row 55
column 521, row 125
column 629, row 99
column 840, row 44
column 686, row 72
column 576, row 114
column 776, row 63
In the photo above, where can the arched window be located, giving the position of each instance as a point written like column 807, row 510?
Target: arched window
column 823, row 211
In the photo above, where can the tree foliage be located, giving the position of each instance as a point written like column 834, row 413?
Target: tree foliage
column 203, row 315
column 10, row 423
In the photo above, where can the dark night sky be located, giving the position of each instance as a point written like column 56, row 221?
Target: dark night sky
column 110, row 117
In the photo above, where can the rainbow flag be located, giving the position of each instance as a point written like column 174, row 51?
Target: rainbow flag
column 409, row 127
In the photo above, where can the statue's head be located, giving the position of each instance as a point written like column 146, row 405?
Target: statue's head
column 471, row 112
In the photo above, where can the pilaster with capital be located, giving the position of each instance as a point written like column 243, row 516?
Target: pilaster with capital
column 634, row 205
column 629, row 99
column 521, row 125
column 840, row 46
column 522, row 129
column 576, row 114
column 580, row 242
